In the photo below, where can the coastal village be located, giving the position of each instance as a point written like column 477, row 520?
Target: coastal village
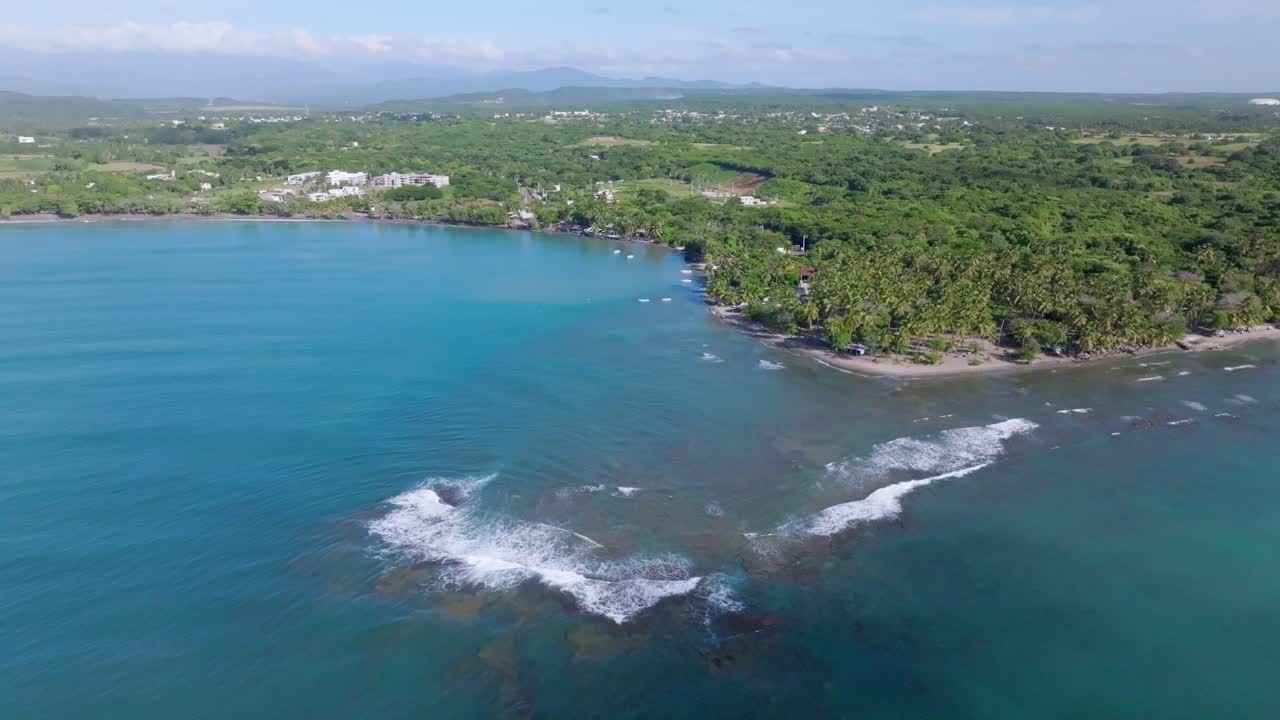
column 342, row 184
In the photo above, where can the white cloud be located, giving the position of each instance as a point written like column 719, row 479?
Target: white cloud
column 223, row 37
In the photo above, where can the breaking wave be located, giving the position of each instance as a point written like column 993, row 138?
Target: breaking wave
column 1076, row 411
column 948, row 451
column 1198, row 407
column 579, row 490
column 770, row 365
column 476, row 549
column 947, row 455
column 712, row 358
column 879, row 505
column 1234, row 368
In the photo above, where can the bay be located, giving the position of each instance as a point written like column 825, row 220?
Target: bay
column 351, row 470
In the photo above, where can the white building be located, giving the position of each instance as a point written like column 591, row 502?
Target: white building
column 26, row 140
column 751, row 200
column 334, row 193
column 301, row 178
column 395, row 180
column 342, row 177
column 277, row 195
column 1264, row 101
column 162, row 176
column 206, row 186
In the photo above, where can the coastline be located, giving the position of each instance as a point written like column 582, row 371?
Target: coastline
column 104, row 218
column 994, row 361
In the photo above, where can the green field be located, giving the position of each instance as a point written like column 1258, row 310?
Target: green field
column 19, row 165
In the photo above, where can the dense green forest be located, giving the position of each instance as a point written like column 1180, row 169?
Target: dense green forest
column 1059, row 223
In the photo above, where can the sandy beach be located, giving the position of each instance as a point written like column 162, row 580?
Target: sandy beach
column 993, row 359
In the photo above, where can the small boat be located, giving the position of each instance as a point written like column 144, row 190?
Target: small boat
column 687, row 272
column 686, row 280
column 643, row 300
column 630, row 256
column 617, row 252
column 666, row 299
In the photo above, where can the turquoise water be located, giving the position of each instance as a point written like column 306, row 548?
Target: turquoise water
column 347, row 470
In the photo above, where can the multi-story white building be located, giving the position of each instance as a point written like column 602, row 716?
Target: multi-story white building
column 301, row 178
column 395, row 180
column 342, row 177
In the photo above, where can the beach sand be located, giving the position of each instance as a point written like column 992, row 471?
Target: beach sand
column 993, row 359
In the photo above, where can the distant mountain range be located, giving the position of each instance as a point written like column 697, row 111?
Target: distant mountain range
column 282, row 80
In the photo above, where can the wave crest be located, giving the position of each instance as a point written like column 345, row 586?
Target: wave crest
column 475, row 549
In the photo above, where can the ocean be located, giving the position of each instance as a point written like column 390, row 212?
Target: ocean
column 337, row 470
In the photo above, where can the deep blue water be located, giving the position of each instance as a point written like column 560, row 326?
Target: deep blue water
column 354, row 470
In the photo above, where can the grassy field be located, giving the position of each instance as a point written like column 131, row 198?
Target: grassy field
column 675, row 188
column 719, row 146
column 122, row 166
column 23, row 165
column 611, row 141
column 932, row 148
column 1150, row 140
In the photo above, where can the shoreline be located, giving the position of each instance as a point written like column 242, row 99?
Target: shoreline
column 994, row 361
column 902, row 367
column 92, row 219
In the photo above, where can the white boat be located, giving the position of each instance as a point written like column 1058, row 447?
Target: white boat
column 666, row 299
column 630, row 256
column 643, row 300
column 617, row 252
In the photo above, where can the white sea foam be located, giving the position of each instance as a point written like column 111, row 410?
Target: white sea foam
column 1239, row 367
column 579, row 490
column 1154, row 364
column 770, row 365
column 1153, row 378
column 1187, row 421
column 476, row 549
column 1184, row 373
column 627, row 491
column 711, row 358
column 1198, row 407
column 881, row 504
column 686, row 280
column 686, row 271
column 459, row 489
column 948, row 451
column 1076, row 411
column 949, row 454
column 1245, row 399
column 713, row 509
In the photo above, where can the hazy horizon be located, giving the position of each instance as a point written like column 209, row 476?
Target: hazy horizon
column 1130, row 46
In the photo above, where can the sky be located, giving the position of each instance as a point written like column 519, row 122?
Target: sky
column 1050, row 45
